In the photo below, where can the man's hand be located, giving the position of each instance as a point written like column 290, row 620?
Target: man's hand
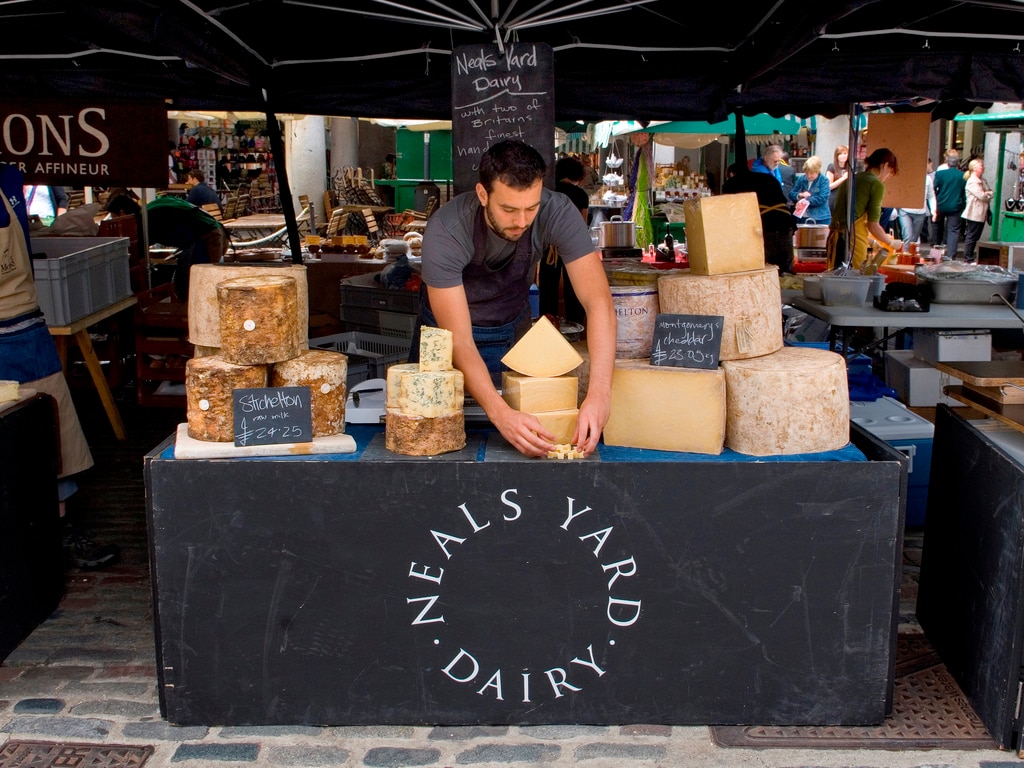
column 523, row 432
column 594, row 413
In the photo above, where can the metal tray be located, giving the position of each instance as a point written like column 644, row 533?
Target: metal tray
column 968, row 291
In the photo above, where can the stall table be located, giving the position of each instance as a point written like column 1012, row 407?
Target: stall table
column 483, row 587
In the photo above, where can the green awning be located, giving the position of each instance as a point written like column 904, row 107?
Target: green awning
column 989, row 117
column 755, row 125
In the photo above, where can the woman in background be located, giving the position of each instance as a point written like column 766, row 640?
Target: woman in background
column 867, row 211
column 812, row 187
column 979, row 195
column 838, row 171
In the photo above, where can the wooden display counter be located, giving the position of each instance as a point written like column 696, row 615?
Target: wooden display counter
column 484, row 587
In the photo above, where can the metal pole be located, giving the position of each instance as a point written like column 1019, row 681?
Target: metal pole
column 285, row 192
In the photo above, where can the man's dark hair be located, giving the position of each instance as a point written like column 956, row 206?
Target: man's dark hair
column 513, row 163
column 198, row 175
column 569, row 168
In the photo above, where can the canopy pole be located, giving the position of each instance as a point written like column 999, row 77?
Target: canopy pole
column 851, row 186
column 741, row 139
column 285, row 192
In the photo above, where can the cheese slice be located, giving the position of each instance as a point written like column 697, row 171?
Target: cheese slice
column 561, row 423
column 723, row 234
column 8, row 390
column 667, row 409
column 542, row 351
column 435, row 349
column 793, row 401
column 537, row 394
column 430, row 393
column 749, row 302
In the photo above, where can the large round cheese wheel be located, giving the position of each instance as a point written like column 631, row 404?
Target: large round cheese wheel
column 258, row 319
column 209, row 405
column 792, row 401
column 750, row 303
column 325, row 373
column 204, row 312
column 422, row 435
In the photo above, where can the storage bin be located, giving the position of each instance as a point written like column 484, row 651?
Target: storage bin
column 396, row 324
column 369, row 354
column 937, row 346
column 77, row 276
column 845, row 291
column 917, row 383
column 908, row 433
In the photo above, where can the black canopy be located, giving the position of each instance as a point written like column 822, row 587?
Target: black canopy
column 614, row 59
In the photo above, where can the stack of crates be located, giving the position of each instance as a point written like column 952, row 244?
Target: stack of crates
column 370, row 308
column 369, row 355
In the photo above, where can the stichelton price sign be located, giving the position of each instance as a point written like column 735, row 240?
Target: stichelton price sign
column 499, row 95
column 271, row 415
column 687, row 341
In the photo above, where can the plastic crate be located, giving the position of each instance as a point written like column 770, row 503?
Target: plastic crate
column 377, row 352
column 356, row 293
column 79, row 275
column 396, row 324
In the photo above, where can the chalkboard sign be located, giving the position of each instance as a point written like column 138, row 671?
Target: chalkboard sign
column 271, row 415
column 500, row 94
column 687, row 341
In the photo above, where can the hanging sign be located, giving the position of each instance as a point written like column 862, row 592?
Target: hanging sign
column 687, row 341
column 79, row 144
column 500, row 94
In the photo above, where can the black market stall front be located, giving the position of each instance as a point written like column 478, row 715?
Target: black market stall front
column 483, row 587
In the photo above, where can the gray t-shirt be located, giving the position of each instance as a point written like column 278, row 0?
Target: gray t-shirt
column 448, row 240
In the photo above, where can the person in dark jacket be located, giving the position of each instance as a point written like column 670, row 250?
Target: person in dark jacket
column 777, row 223
column 200, row 237
column 950, row 200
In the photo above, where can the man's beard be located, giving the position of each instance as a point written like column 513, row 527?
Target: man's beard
column 496, row 228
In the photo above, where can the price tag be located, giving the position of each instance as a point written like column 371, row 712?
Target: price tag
column 272, row 415
column 687, row 341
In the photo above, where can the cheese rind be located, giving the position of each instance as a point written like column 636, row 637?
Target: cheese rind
column 542, row 351
column 724, row 234
column 562, row 424
column 436, row 347
column 209, row 403
column 667, row 409
column 793, row 401
column 429, row 393
column 536, row 394
column 421, row 436
column 750, row 304
column 325, row 373
column 259, row 319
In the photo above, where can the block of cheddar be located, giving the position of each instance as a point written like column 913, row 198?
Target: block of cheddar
column 749, row 302
column 723, row 234
column 423, row 436
column 537, row 394
column 793, row 401
column 430, row 393
column 325, row 373
column 209, row 405
column 667, row 409
column 204, row 311
column 543, row 351
column 560, row 423
column 435, row 349
column 259, row 319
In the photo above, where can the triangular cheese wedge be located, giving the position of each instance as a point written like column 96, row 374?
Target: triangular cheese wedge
column 543, row 351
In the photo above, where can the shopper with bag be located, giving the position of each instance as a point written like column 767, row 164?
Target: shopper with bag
column 810, row 193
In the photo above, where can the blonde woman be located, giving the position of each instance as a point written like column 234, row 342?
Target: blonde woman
column 976, row 212
column 812, row 187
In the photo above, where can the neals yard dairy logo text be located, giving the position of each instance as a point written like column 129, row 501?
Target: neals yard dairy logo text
column 447, row 547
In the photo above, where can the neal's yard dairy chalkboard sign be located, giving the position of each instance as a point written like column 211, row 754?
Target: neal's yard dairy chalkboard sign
column 272, row 415
column 687, row 341
column 500, row 94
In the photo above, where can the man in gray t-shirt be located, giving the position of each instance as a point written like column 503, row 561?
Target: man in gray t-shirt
column 479, row 257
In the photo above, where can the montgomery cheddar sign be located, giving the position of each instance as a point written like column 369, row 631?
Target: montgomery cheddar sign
column 91, row 143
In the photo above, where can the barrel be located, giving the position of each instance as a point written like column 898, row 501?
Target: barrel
column 636, row 311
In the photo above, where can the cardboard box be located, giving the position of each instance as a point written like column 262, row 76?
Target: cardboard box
column 917, row 382
column 908, row 433
column 934, row 346
column 723, row 234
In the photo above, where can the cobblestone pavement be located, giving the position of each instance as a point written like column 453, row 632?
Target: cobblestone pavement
column 88, row 674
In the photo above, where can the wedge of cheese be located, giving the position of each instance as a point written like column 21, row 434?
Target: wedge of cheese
column 749, row 302
column 435, row 349
column 538, row 394
column 723, row 234
column 542, row 351
column 667, row 409
column 430, row 393
column 561, row 423
column 793, row 401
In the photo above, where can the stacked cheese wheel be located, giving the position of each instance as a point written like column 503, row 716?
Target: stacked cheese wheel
column 424, row 401
column 259, row 340
column 765, row 399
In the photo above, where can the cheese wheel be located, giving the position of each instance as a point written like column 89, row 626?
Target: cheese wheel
column 537, row 394
column 542, row 351
column 667, row 409
column 422, row 436
column 431, row 393
column 325, row 374
column 204, row 310
column 749, row 302
column 209, row 405
column 258, row 319
column 795, row 400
